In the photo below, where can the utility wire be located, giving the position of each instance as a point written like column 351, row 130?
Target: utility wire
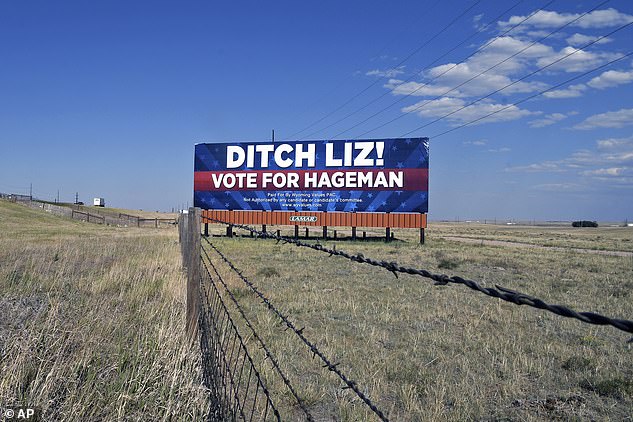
column 524, row 77
column 378, row 54
column 378, row 80
column 410, row 78
column 421, row 106
column 528, row 98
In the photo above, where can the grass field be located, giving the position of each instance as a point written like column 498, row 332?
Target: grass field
column 91, row 324
column 114, row 212
column 601, row 238
column 425, row 352
column 91, row 321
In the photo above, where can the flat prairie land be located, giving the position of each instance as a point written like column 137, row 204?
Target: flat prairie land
column 432, row 353
column 91, row 321
column 599, row 238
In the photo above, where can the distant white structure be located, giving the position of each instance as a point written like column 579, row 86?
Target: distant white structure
column 99, row 202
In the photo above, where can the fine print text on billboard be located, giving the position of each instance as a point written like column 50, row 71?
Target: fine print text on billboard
column 378, row 175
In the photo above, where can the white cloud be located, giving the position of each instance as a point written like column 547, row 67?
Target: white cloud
column 504, row 60
column 615, row 144
column 479, row 142
column 611, row 119
column 386, row 73
column 446, row 105
column 546, row 166
column 571, row 91
column 576, row 60
column 496, row 150
column 489, row 70
column 610, row 163
column 549, row 19
column 612, row 171
column 560, row 187
column 611, row 78
column 579, row 40
column 416, row 89
column 547, row 120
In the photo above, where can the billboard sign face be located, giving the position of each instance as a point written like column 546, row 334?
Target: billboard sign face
column 376, row 175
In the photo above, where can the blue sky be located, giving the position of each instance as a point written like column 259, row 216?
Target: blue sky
column 109, row 98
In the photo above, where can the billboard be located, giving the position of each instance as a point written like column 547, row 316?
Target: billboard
column 373, row 175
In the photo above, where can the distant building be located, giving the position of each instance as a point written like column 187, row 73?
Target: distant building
column 99, row 202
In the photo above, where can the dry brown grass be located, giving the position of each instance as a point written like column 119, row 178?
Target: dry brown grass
column 91, row 321
column 601, row 238
column 425, row 352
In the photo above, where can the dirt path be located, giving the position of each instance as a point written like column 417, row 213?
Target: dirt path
column 531, row 246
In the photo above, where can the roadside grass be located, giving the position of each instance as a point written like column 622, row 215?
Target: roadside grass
column 600, row 238
column 91, row 321
column 425, row 352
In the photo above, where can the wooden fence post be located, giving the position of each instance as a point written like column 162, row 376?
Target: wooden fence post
column 193, row 272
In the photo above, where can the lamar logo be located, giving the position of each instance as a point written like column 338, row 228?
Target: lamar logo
column 303, row 218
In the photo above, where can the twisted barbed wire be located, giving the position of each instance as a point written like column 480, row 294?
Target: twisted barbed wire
column 267, row 352
column 333, row 367
column 499, row 292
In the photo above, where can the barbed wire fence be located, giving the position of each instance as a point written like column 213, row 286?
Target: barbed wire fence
column 499, row 292
column 236, row 387
column 238, row 390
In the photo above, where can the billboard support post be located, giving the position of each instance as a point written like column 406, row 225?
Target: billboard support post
column 206, row 229
column 353, row 233
column 388, row 234
column 296, row 231
column 421, row 236
column 324, row 232
column 263, row 228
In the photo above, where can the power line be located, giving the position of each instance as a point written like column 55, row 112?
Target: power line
column 524, row 77
column 379, row 53
column 416, row 50
column 529, row 97
column 413, row 76
column 449, row 69
column 421, row 106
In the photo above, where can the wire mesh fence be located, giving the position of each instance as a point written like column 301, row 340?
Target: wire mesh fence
column 237, row 390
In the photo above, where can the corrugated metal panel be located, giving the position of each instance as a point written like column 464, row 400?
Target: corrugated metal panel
column 282, row 218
